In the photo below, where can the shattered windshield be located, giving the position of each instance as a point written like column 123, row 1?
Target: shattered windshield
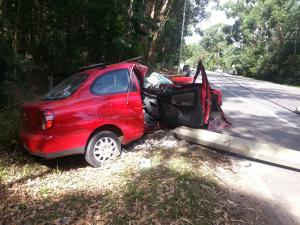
column 155, row 80
column 66, row 87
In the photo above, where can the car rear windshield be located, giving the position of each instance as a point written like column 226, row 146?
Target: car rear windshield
column 66, row 87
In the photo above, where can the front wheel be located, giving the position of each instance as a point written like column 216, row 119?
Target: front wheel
column 102, row 148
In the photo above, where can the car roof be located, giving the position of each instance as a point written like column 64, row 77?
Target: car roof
column 123, row 65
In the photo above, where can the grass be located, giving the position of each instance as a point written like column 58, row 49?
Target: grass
column 44, row 191
column 176, row 189
column 3, row 172
column 9, row 126
column 16, row 164
column 169, row 196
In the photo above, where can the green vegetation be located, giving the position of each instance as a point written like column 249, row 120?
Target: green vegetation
column 46, row 40
column 263, row 42
column 42, row 42
column 9, row 126
column 178, row 188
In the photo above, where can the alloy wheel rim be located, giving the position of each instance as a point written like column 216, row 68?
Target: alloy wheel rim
column 105, row 149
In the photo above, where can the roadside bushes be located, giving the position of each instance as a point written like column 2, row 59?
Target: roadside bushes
column 9, row 126
column 280, row 67
column 20, row 80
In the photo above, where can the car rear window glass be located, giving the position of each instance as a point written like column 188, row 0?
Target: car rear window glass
column 112, row 82
column 66, row 88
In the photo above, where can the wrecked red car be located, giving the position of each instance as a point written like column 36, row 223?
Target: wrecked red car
column 103, row 106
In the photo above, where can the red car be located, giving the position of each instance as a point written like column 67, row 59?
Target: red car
column 102, row 106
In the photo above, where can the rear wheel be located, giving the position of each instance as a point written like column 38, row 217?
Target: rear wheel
column 102, row 148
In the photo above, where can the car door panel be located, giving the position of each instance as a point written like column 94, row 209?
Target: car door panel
column 117, row 106
column 181, row 106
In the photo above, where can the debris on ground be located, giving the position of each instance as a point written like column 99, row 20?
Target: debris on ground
column 145, row 163
column 159, row 139
column 181, row 185
column 216, row 123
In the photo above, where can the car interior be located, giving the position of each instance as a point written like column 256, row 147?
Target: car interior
column 170, row 104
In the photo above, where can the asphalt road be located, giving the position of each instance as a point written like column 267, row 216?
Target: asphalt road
column 263, row 111
column 260, row 110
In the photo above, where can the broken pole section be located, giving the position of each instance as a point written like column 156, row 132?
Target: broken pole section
column 267, row 152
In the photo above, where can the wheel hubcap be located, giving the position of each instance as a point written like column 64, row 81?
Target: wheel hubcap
column 105, row 149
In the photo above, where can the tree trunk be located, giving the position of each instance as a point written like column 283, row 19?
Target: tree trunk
column 181, row 37
column 16, row 38
column 296, row 42
column 17, row 28
column 152, row 14
column 163, row 16
column 130, row 10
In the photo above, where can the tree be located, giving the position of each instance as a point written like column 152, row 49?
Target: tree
column 263, row 42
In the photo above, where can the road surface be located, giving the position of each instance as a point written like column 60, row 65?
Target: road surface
column 263, row 111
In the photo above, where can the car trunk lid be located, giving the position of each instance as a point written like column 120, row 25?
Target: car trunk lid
column 31, row 115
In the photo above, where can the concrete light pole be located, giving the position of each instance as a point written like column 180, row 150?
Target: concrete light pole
column 181, row 38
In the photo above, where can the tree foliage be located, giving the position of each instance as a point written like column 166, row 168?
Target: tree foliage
column 42, row 38
column 263, row 42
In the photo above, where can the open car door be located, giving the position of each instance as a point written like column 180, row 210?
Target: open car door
column 181, row 106
column 186, row 104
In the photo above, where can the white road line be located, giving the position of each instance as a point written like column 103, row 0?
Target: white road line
column 262, row 109
column 261, row 96
column 254, row 172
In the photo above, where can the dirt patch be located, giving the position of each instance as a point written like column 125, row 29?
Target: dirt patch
column 178, row 184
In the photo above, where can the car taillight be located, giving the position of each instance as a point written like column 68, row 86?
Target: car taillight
column 47, row 119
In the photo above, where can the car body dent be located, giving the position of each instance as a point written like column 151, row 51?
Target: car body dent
column 79, row 115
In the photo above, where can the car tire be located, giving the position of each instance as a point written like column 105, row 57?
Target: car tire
column 103, row 147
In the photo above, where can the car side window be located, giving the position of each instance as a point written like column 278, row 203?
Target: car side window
column 112, row 82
